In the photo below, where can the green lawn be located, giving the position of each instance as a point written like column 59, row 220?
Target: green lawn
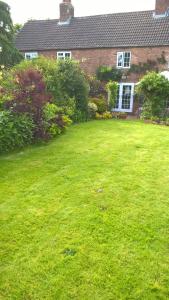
column 87, row 215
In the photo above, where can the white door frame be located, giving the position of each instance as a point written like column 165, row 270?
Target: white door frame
column 120, row 109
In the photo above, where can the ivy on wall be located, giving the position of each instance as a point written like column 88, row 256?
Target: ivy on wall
column 149, row 65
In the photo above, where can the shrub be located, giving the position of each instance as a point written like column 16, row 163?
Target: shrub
column 167, row 122
column 105, row 73
column 97, row 87
column 99, row 116
column 112, row 89
column 155, row 89
column 50, row 111
column 92, row 109
column 55, row 122
column 16, row 131
column 30, row 96
column 47, row 67
column 64, row 81
column 71, row 83
column 101, row 104
column 105, row 116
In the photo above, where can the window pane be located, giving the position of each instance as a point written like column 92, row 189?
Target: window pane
column 67, row 55
column 127, row 56
column 120, row 59
column 31, row 55
column 28, row 57
column 63, row 55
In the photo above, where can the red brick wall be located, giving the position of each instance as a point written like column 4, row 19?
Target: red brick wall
column 91, row 59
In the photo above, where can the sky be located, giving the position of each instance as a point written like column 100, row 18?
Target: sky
column 23, row 10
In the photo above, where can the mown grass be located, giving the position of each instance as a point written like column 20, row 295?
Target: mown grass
column 87, row 215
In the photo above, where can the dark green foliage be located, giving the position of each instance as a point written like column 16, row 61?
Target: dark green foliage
column 17, row 28
column 155, row 89
column 16, row 131
column 105, row 73
column 97, row 87
column 112, row 88
column 9, row 55
column 71, row 83
column 142, row 68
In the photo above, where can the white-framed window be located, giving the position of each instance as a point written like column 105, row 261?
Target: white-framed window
column 125, row 97
column 123, row 59
column 64, row 55
column 31, row 55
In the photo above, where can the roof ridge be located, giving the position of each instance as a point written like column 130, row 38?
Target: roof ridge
column 89, row 16
column 117, row 13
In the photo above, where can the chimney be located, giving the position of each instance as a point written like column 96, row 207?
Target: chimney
column 66, row 12
column 162, row 7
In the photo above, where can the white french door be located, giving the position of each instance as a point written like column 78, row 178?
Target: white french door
column 125, row 97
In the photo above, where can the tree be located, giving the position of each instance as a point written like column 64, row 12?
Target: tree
column 155, row 89
column 9, row 55
column 17, row 28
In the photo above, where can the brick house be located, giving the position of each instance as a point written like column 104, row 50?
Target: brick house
column 121, row 40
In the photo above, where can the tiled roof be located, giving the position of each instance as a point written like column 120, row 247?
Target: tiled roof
column 134, row 29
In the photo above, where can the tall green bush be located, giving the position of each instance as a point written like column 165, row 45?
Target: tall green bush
column 72, row 84
column 155, row 90
column 16, row 131
column 112, row 89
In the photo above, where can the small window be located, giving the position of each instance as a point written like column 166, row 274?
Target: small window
column 31, row 55
column 123, row 59
column 64, row 55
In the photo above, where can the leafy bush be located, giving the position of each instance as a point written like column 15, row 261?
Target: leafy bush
column 155, row 89
column 92, row 109
column 71, row 83
column 64, row 80
column 105, row 73
column 105, row 116
column 101, row 104
column 112, row 88
column 55, row 122
column 46, row 91
column 16, row 131
column 29, row 96
column 97, row 88
column 99, row 116
column 47, row 67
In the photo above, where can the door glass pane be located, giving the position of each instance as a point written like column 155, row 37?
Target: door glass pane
column 126, row 96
